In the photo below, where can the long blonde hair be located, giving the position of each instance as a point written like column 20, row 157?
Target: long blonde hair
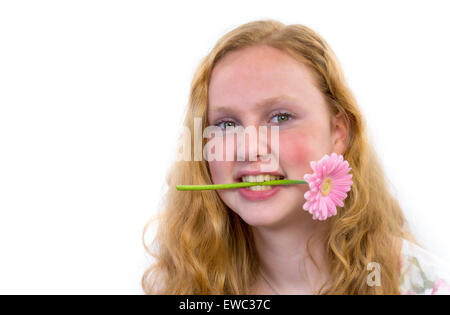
column 203, row 247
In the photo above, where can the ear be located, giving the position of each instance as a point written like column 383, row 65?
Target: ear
column 339, row 133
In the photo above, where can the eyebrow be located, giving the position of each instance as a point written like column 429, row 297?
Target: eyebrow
column 261, row 104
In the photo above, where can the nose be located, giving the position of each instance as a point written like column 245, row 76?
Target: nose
column 252, row 144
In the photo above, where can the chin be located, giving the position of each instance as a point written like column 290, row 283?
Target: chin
column 263, row 217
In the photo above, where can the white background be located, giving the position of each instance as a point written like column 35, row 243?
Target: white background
column 92, row 95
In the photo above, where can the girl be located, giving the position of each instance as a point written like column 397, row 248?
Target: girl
column 228, row 242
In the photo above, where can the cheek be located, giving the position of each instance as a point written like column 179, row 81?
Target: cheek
column 295, row 150
column 221, row 171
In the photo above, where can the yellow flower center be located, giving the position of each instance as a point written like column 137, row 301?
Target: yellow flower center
column 326, row 186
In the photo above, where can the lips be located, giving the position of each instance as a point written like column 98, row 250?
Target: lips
column 261, row 195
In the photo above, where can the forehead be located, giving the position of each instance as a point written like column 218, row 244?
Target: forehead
column 249, row 76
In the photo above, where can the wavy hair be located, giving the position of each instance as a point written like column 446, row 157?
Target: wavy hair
column 202, row 247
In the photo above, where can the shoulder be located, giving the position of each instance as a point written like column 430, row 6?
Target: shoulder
column 422, row 272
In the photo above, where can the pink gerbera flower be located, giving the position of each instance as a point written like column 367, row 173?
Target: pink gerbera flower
column 329, row 185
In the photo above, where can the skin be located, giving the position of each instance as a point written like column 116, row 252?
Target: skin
column 281, row 227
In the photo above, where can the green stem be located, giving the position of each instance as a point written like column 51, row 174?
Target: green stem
column 241, row 184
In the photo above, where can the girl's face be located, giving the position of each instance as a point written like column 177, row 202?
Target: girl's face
column 240, row 82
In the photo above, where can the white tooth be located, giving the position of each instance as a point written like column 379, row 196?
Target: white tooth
column 249, row 178
column 259, row 187
column 260, row 178
column 268, row 177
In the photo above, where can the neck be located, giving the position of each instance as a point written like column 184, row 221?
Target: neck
column 283, row 255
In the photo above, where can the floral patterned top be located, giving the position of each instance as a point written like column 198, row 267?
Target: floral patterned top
column 422, row 272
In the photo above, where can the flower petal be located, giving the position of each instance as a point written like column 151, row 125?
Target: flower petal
column 335, row 167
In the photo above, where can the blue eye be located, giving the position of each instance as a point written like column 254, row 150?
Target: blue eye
column 283, row 117
column 226, row 122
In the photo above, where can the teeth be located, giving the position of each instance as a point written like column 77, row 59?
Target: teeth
column 266, row 187
column 259, row 178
